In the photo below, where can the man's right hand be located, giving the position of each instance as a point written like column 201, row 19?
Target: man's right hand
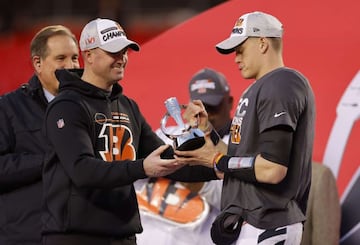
column 196, row 115
column 155, row 166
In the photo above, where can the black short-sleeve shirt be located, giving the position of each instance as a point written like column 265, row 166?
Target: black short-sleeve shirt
column 281, row 97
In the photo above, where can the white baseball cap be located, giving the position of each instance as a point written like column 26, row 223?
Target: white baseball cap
column 254, row 24
column 107, row 35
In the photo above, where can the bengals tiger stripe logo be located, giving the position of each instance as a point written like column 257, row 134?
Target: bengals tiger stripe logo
column 118, row 140
column 172, row 201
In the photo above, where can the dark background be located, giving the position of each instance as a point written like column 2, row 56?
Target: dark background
column 140, row 18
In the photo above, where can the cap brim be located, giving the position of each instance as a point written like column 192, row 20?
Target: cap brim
column 228, row 45
column 134, row 46
column 118, row 45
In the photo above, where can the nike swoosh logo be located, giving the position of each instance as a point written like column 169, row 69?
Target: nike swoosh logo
column 279, row 114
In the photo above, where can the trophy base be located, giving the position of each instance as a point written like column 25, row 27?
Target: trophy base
column 191, row 144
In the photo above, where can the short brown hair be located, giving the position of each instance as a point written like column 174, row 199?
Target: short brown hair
column 38, row 45
column 276, row 42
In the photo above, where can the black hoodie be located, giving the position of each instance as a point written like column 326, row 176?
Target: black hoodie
column 100, row 140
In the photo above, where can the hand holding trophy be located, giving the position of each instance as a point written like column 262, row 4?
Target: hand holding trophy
column 184, row 137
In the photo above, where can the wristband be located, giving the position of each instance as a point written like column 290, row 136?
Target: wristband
column 215, row 168
column 238, row 167
column 216, row 159
column 241, row 162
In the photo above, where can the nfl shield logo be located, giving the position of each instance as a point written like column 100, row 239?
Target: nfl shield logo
column 60, row 123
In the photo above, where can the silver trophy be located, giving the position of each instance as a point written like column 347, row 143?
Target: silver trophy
column 184, row 137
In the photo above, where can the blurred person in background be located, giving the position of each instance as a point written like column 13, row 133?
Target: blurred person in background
column 323, row 214
column 22, row 143
column 187, row 226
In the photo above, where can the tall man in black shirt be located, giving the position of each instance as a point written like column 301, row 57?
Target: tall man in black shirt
column 267, row 164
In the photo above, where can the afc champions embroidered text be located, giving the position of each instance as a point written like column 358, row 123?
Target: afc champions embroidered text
column 235, row 130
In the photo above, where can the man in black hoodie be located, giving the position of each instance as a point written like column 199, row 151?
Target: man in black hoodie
column 102, row 144
column 22, row 143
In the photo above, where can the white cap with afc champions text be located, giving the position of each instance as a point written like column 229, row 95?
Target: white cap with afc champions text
column 107, row 35
column 254, row 24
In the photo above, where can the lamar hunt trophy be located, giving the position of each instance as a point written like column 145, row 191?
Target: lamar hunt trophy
column 184, row 138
